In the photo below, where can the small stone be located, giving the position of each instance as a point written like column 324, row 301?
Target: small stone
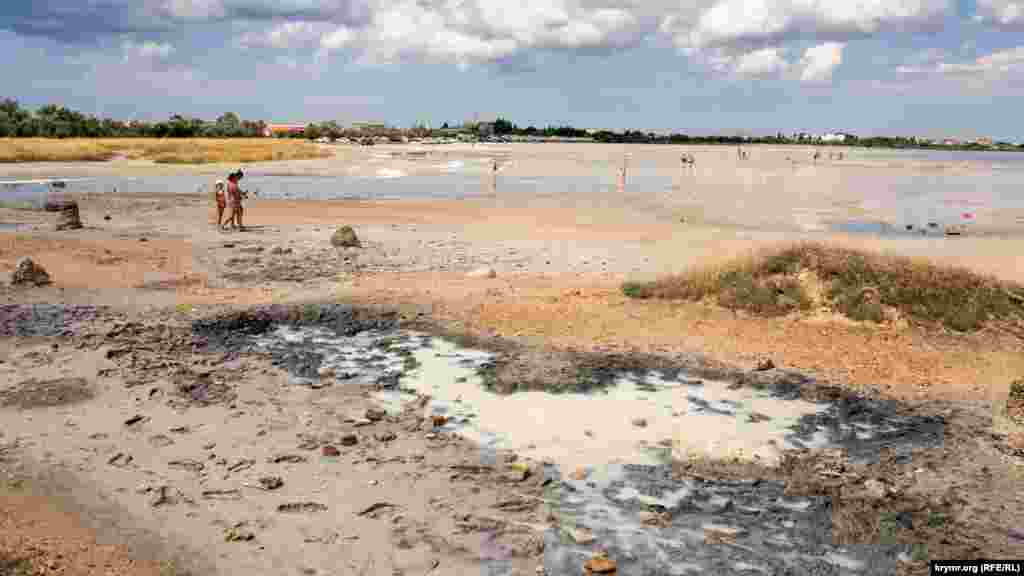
column 375, row 414
column 325, row 372
column 484, row 272
column 330, row 451
column 640, row 422
column 765, row 364
column 720, row 532
column 599, row 565
column 271, row 482
column 238, row 535
column 349, row 440
column 345, row 237
column 27, row 272
column 581, row 536
column 301, row 507
column 439, row 421
column 876, row 488
column 386, row 437
column 134, row 420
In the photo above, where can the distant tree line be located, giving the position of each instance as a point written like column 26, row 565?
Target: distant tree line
column 54, row 121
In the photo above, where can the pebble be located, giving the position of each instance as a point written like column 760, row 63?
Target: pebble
column 349, row 440
column 600, row 565
column 330, row 451
column 640, row 422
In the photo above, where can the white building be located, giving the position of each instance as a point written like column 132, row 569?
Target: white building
column 830, row 137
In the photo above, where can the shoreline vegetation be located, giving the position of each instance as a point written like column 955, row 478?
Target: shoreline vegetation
column 862, row 286
column 160, row 151
column 59, row 123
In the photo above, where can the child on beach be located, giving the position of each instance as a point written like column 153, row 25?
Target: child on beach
column 218, row 193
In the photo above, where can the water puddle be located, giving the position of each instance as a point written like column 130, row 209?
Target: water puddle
column 640, row 419
column 609, row 452
column 928, row 229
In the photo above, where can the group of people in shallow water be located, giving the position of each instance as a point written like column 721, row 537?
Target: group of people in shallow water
column 230, row 194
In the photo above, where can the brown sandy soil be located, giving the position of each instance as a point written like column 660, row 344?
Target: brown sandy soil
column 559, row 269
column 38, row 538
column 559, row 284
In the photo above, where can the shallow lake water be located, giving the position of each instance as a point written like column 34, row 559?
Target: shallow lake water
column 898, row 188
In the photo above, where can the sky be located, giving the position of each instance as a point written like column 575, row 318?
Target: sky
column 929, row 68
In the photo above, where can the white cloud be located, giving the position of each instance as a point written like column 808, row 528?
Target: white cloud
column 1000, row 68
column 147, row 50
column 193, row 9
column 820, row 61
column 1006, row 13
column 479, row 31
column 284, row 35
column 764, row 62
column 337, row 38
column 744, row 24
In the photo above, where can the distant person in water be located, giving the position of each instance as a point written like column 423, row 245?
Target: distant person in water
column 235, row 195
column 219, row 197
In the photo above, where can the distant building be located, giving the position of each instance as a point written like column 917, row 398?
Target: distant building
column 983, row 141
column 833, row 137
column 283, row 129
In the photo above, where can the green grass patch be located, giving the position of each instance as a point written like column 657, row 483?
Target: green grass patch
column 1017, row 391
column 861, row 285
column 15, row 567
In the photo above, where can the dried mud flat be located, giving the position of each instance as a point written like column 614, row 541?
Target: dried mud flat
column 299, row 439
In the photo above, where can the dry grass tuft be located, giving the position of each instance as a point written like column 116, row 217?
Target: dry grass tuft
column 162, row 151
column 861, row 285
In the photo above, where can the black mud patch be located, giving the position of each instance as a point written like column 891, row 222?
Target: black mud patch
column 33, row 393
column 234, row 329
column 31, row 320
column 653, row 522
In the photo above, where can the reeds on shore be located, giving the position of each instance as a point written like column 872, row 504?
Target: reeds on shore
column 861, row 285
column 162, row 151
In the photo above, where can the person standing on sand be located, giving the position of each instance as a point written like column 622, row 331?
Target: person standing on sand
column 218, row 194
column 235, row 199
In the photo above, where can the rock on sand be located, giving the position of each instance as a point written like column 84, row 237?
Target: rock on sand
column 345, row 237
column 484, row 272
column 28, row 272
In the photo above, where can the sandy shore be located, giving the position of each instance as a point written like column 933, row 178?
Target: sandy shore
column 158, row 261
